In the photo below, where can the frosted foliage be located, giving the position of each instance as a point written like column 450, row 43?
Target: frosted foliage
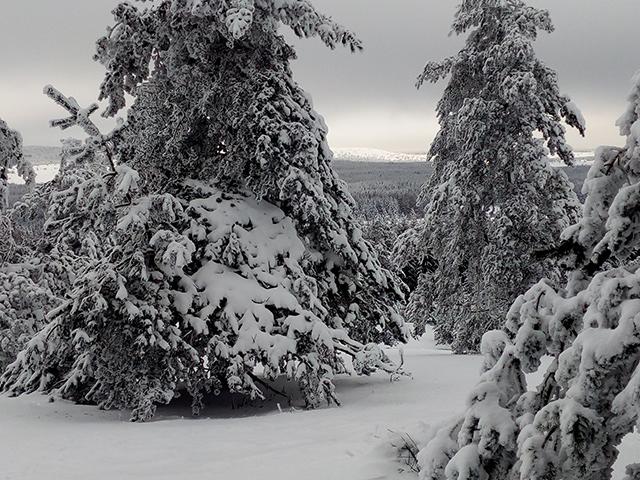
column 56, row 232
column 493, row 200
column 76, row 212
column 417, row 265
column 235, row 117
column 570, row 425
column 26, row 295
column 227, row 290
column 28, row 284
column 59, row 230
column 138, row 31
column 222, row 248
column 632, row 472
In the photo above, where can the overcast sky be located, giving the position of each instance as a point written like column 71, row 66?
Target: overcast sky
column 368, row 99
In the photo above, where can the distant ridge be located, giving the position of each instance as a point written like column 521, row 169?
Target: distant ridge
column 375, row 155
column 39, row 155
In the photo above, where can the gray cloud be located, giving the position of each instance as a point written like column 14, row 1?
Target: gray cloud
column 368, row 99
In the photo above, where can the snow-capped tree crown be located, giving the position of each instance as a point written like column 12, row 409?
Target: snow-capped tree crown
column 611, row 224
column 233, row 113
column 173, row 33
column 498, row 72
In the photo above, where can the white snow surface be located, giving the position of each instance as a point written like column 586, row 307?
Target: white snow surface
column 376, row 155
column 39, row 439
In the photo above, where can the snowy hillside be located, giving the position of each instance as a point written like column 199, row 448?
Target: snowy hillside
column 581, row 159
column 45, row 161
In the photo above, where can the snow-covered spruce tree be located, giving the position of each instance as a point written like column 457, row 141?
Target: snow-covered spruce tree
column 493, row 198
column 409, row 256
column 56, row 231
column 571, row 425
column 382, row 230
column 239, row 248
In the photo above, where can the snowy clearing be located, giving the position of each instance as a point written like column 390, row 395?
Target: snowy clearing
column 80, row 442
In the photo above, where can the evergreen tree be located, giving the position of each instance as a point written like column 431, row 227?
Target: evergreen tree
column 234, row 244
column 571, row 425
column 55, row 232
column 493, row 199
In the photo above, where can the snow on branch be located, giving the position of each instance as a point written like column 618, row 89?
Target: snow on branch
column 96, row 142
column 79, row 116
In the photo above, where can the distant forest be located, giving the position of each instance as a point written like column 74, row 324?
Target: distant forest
column 382, row 189
column 392, row 189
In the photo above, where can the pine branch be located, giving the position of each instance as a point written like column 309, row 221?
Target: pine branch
column 81, row 117
column 589, row 266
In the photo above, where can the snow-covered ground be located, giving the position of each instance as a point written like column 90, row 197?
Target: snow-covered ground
column 59, row 440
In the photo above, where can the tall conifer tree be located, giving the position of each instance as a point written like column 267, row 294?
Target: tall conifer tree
column 234, row 243
column 493, row 199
